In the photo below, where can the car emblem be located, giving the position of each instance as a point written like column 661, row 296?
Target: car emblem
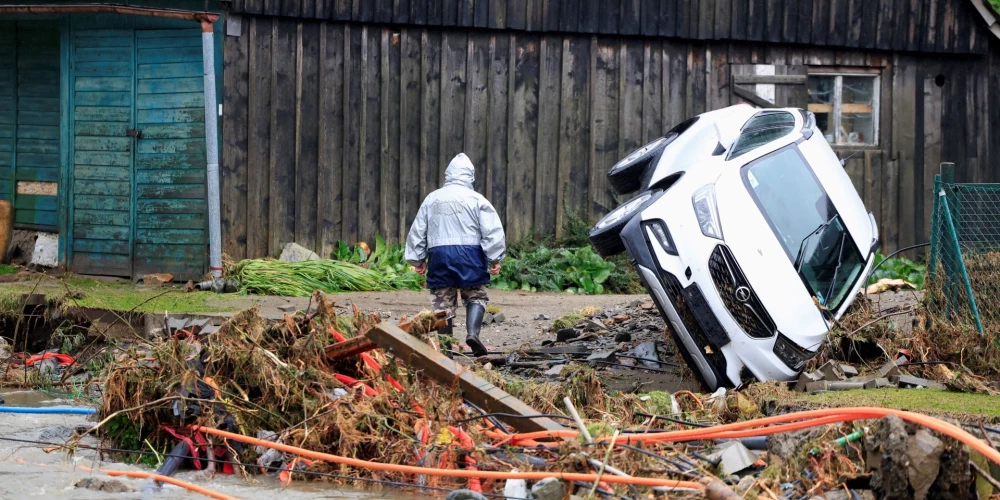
column 742, row 294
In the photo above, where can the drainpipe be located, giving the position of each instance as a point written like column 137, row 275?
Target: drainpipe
column 212, row 149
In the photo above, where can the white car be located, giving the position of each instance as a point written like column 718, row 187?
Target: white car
column 749, row 236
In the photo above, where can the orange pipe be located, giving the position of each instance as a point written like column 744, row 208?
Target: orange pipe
column 409, row 469
column 164, row 479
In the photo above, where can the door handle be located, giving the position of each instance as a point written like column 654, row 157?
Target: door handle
column 132, row 132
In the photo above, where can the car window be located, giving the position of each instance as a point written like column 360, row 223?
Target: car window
column 763, row 128
column 806, row 223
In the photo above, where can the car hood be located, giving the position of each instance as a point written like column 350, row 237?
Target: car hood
column 766, row 265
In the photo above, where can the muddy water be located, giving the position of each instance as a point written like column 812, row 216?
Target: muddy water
column 27, row 471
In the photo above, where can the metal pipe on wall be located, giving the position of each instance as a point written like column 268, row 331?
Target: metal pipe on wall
column 212, row 150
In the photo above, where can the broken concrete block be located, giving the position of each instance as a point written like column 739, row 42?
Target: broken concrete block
column 287, row 308
column 888, row 369
column 831, row 371
column 293, row 252
column 158, row 279
column 934, row 384
column 805, row 379
column 602, row 356
column 877, row 383
column 845, row 386
column 849, row 370
column 821, row 385
column 908, row 381
column 46, row 251
column 499, row 318
column 592, row 326
column 566, row 334
column 924, row 453
column 487, row 319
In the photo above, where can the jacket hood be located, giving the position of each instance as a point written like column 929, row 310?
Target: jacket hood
column 460, row 171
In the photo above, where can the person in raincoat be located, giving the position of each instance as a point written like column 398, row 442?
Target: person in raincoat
column 457, row 242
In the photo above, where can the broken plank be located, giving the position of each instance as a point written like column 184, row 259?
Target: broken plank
column 349, row 347
column 422, row 357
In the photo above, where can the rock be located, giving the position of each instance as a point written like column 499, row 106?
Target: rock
column 924, row 453
column 623, row 337
column 548, row 342
column 488, row 319
column 105, row 485
column 956, row 474
column 548, row 489
column 733, row 457
column 626, row 361
column 592, row 326
column 189, row 286
column 831, row 371
column 542, row 317
column 293, row 252
column 746, row 482
column 499, row 318
column 620, row 318
column 647, row 306
column 788, row 444
column 602, row 356
column 56, row 433
column 46, row 251
column 805, row 379
column 886, row 455
column 653, row 326
column 566, row 334
column 634, row 304
column 555, row 371
column 464, row 495
column 647, row 352
column 158, row 279
column 288, row 308
column 934, row 384
column 515, row 488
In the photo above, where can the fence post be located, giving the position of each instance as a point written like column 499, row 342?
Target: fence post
column 961, row 261
column 935, row 213
column 947, row 172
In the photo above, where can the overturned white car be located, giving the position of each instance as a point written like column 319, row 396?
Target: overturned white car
column 748, row 235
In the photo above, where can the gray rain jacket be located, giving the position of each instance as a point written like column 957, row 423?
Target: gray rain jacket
column 457, row 232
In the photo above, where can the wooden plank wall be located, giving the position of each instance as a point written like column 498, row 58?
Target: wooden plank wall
column 951, row 26
column 338, row 130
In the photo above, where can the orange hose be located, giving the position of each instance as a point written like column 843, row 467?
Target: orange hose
column 164, row 479
column 409, row 469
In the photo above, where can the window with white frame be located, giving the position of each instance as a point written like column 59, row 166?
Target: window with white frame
column 846, row 107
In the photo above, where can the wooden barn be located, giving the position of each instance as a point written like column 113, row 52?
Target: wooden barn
column 336, row 117
column 341, row 116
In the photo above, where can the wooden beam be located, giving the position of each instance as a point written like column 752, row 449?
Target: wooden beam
column 751, row 97
column 349, row 347
column 770, row 79
column 420, row 357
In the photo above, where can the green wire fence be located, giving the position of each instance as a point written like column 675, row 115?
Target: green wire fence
column 964, row 265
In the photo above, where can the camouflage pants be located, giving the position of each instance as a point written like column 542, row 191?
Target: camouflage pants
column 446, row 299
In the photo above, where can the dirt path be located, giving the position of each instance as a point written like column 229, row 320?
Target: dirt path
column 520, row 308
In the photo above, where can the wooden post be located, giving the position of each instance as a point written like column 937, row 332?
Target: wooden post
column 421, row 357
column 6, row 228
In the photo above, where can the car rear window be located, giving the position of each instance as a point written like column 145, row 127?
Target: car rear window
column 763, row 128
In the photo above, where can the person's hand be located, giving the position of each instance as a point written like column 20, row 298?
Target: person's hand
column 421, row 269
column 495, row 269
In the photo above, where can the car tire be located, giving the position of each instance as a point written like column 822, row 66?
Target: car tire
column 627, row 175
column 605, row 236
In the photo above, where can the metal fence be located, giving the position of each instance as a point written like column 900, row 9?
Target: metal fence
column 964, row 265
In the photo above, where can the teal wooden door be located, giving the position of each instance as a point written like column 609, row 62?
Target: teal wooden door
column 29, row 121
column 170, row 234
column 139, row 153
column 103, row 88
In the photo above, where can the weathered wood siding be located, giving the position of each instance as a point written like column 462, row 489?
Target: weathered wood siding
column 903, row 25
column 337, row 130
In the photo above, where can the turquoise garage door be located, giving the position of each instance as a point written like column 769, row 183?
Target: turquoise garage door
column 138, row 163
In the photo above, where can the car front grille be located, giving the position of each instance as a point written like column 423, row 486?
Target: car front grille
column 738, row 296
column 679, row 299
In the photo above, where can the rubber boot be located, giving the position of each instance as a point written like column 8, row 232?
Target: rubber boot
column 474, row 323
column 448, row 331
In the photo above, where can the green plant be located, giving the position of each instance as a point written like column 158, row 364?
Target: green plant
column 899, row 268
column 8, row 269
column 577, row 270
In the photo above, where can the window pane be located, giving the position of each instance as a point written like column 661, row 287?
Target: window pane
column 763, row 128
column 821, row 103
column 857, row 126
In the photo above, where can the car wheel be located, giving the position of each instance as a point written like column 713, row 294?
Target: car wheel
column 627, row 175
column 606, row 234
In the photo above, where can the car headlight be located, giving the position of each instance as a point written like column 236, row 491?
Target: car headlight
column 656, row 231
column 707, row 212
column 790, row 353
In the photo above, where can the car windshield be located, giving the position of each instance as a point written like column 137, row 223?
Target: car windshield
column 806, row 223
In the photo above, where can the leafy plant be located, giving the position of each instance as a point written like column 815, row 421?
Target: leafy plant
column 8, row 269
column 899, row 268
column 577, row 270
